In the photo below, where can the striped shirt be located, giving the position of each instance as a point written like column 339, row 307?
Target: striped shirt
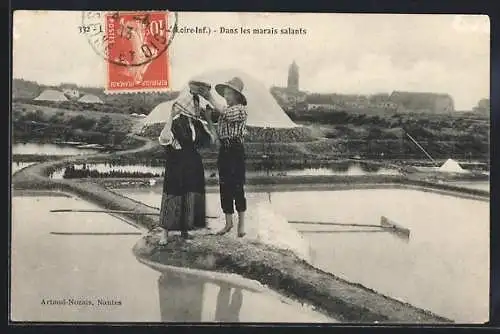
column 232, row 122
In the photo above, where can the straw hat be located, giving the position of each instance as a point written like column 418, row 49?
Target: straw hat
column 235, row 84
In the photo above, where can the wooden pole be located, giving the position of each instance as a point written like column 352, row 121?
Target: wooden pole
column 116, row 211
column 107, row 211
column 385, row 224
column 334, row 224
column 423, row 150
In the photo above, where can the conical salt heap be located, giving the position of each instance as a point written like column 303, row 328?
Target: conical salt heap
column 451, row 166
column 263, row 110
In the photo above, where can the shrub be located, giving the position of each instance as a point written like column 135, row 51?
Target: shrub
column 81, row 122
column 254, row 134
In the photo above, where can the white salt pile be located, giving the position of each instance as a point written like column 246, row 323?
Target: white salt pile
column 266, row 226
column 451, row 166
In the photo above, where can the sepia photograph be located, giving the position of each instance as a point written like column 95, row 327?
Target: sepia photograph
column 233, row 167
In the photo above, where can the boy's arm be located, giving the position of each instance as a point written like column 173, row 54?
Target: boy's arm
column 231, row 114
column 236, row 113
column 219, row 108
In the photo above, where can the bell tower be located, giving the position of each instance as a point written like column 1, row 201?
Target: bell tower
column 293, row 78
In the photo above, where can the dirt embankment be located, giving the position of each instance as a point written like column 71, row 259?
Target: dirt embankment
column 36, row 177
column 285, row 273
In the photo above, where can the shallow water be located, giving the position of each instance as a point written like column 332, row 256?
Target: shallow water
column 443, row 268
column 142, row 170
column 55, row 258
column 49, row 149
column 18, row 165
column 354, row 169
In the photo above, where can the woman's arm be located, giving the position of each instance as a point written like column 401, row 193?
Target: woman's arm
column 166, row 137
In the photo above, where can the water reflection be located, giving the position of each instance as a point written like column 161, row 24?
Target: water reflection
column 182, row 299
column 114, row 170
column 351, row 170
column 229, row 303
column 193, row 298
column 49, row 149
column 104, row 170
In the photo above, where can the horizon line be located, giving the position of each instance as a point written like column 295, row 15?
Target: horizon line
column 272, row 86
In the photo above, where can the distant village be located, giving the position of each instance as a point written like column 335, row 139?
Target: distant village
column 291, row 98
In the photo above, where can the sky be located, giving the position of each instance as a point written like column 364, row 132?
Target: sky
column 339, row 53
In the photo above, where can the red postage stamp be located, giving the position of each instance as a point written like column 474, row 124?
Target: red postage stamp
column 136, row 48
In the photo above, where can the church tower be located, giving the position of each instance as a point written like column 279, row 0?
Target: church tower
column 293, row 78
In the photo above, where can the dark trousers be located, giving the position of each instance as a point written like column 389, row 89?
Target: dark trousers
column 231, row 165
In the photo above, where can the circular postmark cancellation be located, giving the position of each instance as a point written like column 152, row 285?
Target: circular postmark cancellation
column 129, row 38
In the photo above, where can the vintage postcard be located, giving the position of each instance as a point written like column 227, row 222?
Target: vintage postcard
column 250, row 167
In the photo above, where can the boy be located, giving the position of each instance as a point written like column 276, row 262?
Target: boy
column 231, row 129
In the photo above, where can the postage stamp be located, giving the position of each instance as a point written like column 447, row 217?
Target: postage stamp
column 134, row 45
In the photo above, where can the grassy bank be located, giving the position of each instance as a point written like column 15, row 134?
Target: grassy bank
column 443, row 135
column 42, row 124
column 326, row 134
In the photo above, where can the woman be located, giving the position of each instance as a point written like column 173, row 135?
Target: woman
column 183, row 199
column 231, row 130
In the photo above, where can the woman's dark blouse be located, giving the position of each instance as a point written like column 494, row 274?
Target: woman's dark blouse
column 184, row 168
column 182, row 132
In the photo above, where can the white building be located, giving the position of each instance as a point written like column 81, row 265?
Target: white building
column 71, row 93
column 51, row 95
column 89, row 98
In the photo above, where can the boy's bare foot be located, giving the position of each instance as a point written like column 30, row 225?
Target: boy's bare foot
column 225, row 230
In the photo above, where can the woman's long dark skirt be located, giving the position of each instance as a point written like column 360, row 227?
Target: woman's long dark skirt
column 183, row 199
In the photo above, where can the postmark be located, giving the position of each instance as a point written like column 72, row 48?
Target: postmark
column 135, row 47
